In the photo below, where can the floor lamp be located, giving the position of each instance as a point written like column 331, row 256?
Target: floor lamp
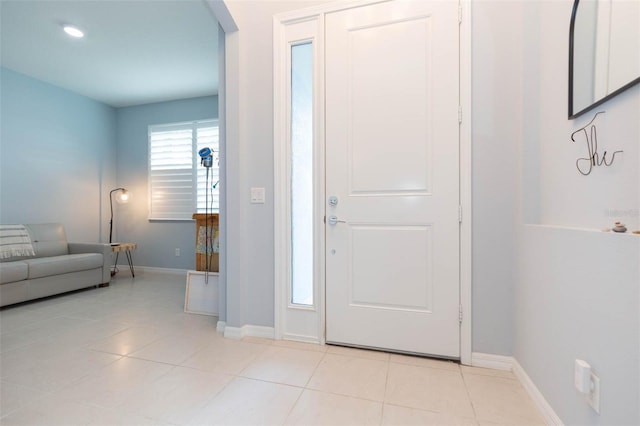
column 206, row 159
column 122, row 196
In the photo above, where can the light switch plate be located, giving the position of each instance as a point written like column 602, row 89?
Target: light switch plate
column 257, row 196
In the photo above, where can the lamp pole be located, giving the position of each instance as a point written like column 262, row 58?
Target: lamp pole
column 111, row 207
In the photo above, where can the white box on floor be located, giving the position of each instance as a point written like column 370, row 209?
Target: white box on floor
column 201, row 296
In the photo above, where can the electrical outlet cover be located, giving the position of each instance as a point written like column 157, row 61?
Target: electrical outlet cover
column 582, row 376
column 593, row 398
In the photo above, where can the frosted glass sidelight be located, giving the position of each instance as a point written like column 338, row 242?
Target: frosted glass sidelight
column 302, row 174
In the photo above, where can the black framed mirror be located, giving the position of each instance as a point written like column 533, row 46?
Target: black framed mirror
column 604, row 52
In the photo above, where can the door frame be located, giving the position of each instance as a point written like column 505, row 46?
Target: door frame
column 281, row 182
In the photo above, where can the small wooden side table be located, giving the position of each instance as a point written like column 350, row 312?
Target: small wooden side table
column 126, row 248
column 204, row 259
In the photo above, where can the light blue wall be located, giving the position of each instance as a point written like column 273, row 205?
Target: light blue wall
column 577, row 291
column 495, row 131
column 60, row 153
column 577, row 298
column 57, row 157
column 156, row 240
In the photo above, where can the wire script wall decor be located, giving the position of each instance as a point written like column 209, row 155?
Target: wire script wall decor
column 594, row 159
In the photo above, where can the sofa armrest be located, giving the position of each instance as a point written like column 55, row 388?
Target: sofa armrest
column 104, row 249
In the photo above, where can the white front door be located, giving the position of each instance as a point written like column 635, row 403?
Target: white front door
column 392, row 164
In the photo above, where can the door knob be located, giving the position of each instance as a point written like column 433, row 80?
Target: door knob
column 332, row 220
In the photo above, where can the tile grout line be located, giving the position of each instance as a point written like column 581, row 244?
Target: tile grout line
column 386, row 385
column 302, row 390
column 473, row 406
column 306, row 385
column 345, row 394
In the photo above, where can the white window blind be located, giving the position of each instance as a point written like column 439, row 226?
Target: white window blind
column 208, row 137
column 177, row 180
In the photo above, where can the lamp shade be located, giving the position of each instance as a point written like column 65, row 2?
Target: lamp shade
column 122, row 196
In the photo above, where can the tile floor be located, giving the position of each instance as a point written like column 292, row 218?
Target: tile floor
column 129, row 355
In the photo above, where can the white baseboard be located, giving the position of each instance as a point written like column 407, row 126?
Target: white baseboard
column 301, row 338
column 501, row 362
column 550, row 416
column 495, row 362
column 246, row 330
column 233, row 332
column 220, row 326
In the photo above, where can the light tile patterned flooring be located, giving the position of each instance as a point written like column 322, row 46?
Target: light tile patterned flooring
column 129, row 355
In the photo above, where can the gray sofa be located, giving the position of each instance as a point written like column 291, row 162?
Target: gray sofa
column 57, row 267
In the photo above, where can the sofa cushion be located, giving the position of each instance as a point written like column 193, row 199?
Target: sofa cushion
column 13, row 271
column 48, row 239
column 57, row 265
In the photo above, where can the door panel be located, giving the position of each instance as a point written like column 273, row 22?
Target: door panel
column 392, row 265
column 373, row 282
column 382, row 93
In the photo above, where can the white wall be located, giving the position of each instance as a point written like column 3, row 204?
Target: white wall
column 250, row 285
column 250, row 227
column 497, row 121
column 577, row 298
column 565, row 196
column 577, row 288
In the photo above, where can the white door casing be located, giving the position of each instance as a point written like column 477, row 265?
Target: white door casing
column 392, row 161
column 287, row 326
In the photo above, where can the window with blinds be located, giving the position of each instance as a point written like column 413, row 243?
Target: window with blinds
column 177, row 181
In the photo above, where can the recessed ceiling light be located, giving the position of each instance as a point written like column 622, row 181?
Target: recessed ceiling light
column 73, row 31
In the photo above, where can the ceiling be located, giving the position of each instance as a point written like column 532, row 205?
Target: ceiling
column 133, row 52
